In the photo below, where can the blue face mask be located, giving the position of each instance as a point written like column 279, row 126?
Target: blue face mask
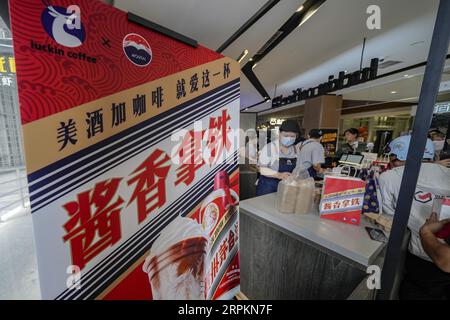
column 287, row 141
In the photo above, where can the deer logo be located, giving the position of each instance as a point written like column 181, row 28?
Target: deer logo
column 63, row 25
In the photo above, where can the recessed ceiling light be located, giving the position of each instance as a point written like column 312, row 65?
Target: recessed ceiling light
column 393, row 92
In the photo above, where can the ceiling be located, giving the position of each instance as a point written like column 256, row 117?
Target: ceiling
column 401, row 87
column 329, row 42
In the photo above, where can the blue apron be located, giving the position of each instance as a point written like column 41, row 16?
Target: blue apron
column 269, row 185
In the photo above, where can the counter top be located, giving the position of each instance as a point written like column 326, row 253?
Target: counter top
column 349, row 241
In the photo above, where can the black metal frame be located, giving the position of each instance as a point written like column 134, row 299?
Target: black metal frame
column 258, row 15
column 430, row 86
column 161, row 29
column 309, row 7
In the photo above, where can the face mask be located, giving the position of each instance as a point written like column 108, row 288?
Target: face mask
column 287, row 141
column 438, row 145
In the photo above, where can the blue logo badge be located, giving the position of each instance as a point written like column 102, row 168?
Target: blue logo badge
column 63, row 25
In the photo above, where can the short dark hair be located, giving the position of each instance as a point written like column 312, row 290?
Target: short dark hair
column 353, row 131
column 315, row 133
column 437, row 133
column 290, row 126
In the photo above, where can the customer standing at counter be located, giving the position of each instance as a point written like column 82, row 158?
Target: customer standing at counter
column 434, row 179
column 434, row 247
column 438, row 139
column 277, row 159
column 352, row 144
column 311, row 154
column 425, row 280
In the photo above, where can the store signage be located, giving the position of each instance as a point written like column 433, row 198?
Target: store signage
column 7, row 81
column 120, row 207
column 443, row 107
column 275, row 121
column 343, row 81
column 7, row 64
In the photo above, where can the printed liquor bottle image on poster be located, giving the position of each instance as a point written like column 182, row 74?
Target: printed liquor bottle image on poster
column 131, row 151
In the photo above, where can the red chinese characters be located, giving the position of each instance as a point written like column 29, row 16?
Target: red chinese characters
column 95, row 222
column 223, row 250
column 214, row 268
column 231, row 239
column 88, row 231
column 191, row 157
column 217, row 139
column 341, row 204
column 150, row 178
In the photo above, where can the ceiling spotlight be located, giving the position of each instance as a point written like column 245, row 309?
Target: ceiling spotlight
column 306, row 18
column 300, row 9
column 242, row 55
column 393, row 92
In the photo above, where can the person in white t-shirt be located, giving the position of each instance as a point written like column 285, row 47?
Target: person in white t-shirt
column 311, row 154
column 249, row 152
column 434, row 179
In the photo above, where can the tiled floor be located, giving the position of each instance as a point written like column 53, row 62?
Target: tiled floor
column 10, row 195
column 18, row 265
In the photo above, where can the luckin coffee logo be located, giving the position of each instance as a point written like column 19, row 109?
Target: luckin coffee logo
column 137, row 49
column 64, row 25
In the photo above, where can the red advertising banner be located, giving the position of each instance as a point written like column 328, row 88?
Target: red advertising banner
column 131, row 152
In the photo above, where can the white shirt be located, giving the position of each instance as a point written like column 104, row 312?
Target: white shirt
column 252, row 150
column 270, row 155
column 311, row 152
column 433, row 180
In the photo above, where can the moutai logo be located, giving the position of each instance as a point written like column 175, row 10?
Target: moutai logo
column 137, row 49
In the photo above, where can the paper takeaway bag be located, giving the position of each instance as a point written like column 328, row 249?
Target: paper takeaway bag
column 342, row 199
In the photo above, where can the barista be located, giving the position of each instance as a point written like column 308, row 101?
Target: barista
column 352, row 145
column 277, row 159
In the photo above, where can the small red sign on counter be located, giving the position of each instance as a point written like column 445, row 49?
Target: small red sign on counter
column 342, row 199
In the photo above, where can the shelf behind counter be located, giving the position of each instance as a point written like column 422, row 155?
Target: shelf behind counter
column 291, row 256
